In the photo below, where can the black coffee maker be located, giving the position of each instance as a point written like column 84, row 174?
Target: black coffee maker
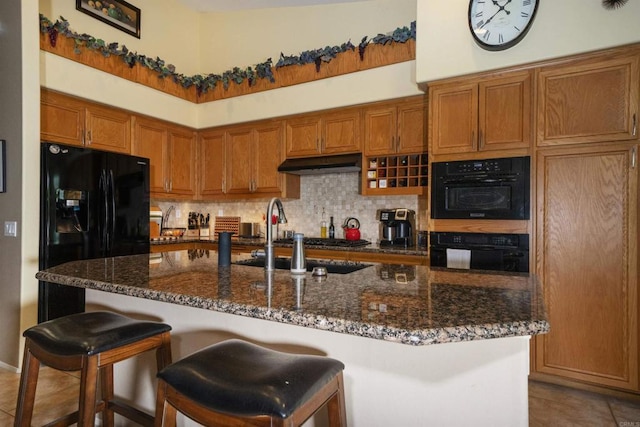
column 397, row 227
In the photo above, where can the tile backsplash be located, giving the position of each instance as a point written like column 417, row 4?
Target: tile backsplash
column 321, row 196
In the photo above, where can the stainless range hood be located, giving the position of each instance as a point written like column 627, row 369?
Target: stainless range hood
column 322, row 165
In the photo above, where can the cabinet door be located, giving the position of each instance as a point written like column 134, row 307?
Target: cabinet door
column 412, row 128
column 150, row 141
column 303, row 136
column 267, row 156
column 588, row 101
column 341, row 133
column 108, row 129
column 505, row 113
column 588, row 237
column 239, row 160
column 211, row 165
column 380, row 126
column 454, row 119
column 61, row 119
column 182, row 150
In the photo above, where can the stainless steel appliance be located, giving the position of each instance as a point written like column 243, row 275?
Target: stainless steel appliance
column 397, row 227
column 480, row 251
column 484, row 189
column 93, row 204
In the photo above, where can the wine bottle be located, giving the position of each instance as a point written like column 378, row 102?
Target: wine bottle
column 332, row 229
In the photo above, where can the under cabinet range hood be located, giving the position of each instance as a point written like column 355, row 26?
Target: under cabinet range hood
column 322, row 165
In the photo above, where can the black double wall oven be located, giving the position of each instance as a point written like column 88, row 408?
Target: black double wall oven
column 490, row 189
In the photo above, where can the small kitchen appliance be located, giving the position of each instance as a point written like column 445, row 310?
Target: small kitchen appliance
column 397, row 227
column 481, row 189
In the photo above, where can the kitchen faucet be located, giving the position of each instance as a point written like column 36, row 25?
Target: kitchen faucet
column 269, row 263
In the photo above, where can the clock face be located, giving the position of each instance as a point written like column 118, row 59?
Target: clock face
column 500, row 24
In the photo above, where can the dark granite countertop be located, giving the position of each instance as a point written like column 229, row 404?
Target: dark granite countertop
column 413, row 305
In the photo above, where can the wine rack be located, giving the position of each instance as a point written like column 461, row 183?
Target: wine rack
column 403, row 174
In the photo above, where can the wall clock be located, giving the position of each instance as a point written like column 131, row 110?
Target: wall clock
column 500, row 24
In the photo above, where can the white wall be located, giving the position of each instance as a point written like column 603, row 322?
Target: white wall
column 168, row 30
column 30, row 168
column 242, row 38
column 445, row 47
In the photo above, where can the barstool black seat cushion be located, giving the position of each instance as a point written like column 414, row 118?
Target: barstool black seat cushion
column 91, row 333
column 243, row 379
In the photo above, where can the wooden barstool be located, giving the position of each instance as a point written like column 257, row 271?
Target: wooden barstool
column 236, row 383
column 90, row 342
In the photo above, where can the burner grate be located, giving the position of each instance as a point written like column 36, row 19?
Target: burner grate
column 316, row 241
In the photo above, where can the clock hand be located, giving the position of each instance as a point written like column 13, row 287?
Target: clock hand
column 501, row 8
column 490, row 19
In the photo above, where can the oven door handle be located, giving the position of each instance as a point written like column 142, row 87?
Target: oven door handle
column 479, row 181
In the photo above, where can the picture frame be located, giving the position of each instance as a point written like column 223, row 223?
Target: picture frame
column 117, row 13
column 3, row 166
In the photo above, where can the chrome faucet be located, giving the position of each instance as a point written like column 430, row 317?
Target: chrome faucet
column 270, row 260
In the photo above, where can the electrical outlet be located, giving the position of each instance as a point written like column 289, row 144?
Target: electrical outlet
column 220, row 212
column 11, row 228
column 178, row 213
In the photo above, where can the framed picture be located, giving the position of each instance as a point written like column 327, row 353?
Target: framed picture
column 117, row 13
column 3, row 166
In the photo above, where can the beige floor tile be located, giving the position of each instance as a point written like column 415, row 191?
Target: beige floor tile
column 9, row 390
column 5, row 419
column 625, row 412
column 550, row 405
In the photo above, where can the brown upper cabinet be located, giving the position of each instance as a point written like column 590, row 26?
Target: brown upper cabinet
column 171, row 150
column 253, row 156
column 68, row 120
column 242, row 162
column 324, row 134
column 397, row 128
column 589, row 100
column 481, row 114
column 211, row 164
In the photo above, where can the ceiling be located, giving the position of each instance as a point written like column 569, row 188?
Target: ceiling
column 225, row 5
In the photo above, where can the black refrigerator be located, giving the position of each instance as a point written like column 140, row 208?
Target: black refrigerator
column 93, row 204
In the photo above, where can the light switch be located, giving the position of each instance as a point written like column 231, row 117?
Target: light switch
column 11, row 228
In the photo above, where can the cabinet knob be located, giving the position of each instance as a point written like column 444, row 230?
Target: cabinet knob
column 635, row 125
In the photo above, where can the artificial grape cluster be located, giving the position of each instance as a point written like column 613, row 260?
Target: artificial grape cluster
column 53, row 36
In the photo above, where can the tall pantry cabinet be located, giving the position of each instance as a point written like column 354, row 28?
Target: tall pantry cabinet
column 586, row 220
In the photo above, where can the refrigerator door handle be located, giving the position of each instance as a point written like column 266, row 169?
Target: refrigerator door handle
column 103, row 221
column 112, row 216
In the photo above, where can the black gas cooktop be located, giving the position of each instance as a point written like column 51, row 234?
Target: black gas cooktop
column 316, row 241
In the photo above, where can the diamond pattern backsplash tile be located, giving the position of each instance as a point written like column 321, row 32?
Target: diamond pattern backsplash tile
column 321, row 196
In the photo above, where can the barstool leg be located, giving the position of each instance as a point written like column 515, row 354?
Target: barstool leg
column 106, row 390
column 163, row 353
column 88, row 390
column 336, row 407
column 165, row 412
column 27, row 391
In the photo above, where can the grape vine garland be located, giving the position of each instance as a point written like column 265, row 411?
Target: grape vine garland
column 204, row 83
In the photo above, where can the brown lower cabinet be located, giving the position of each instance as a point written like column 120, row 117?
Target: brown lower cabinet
column 587, row 243
column 385, row 258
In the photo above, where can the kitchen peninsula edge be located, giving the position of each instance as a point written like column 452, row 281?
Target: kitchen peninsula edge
column 481, row 323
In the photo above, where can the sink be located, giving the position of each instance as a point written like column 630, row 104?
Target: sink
column 336, row 267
